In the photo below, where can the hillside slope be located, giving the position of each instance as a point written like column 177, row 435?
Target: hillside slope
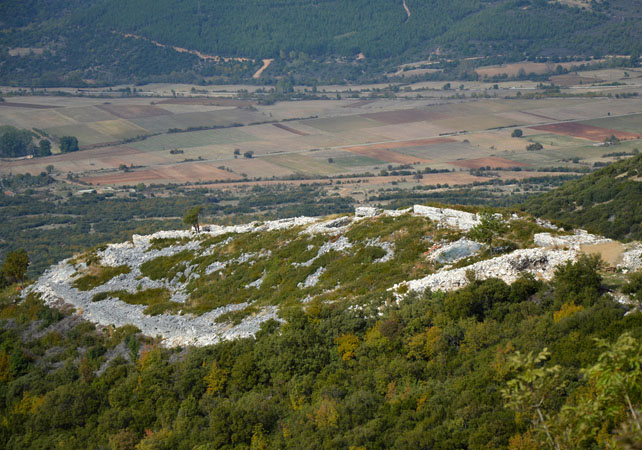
column 338, row 350
column 608, row 202
column 98, row 40
column 225, row 282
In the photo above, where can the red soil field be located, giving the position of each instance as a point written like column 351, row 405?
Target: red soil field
column 290, row 129
column 589, row 132
column 492, row 161
column 383, row 153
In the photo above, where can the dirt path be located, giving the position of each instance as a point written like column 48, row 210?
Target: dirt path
column 405, row 6
column 185, row 50
column 266, row 64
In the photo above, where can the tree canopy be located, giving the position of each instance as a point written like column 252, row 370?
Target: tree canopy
column 15, row 266
column 68, row 144
column 191, row 218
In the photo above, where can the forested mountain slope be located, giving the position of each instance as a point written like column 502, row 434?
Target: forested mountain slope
column 608, row 201
column 91, row 37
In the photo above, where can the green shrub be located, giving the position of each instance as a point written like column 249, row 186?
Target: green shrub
column 166, row 266
column 161, row 243
column 99, row 275
column 101, row 296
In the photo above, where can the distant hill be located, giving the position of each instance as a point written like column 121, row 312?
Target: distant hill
column 608, row 201
column 89, row 37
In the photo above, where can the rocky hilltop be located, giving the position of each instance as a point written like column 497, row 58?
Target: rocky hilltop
column 223, row 283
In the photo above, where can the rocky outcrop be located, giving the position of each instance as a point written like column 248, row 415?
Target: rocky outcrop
column 55, row 286
column 574, row 241
column 367, row 211
column 448, row 217
column 539, row 262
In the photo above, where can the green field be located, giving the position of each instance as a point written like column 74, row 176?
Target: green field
column 632, row 123
column 193, row 139
column 339, row 124
column 85, row 134
column 349, row 161
column 304, row 164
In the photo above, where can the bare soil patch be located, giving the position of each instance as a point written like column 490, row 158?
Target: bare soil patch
column 383, row 151
column 404, row 116
column 493, row 161
column 134, row 111
column 290, row 129
column 402, row 144
column 538, row 115
column 215, row 101
column 266, row 64
column 610, row 252
column 528, row 67
column 589, row 132
column 359, row 104
column 572, row 80
column 180, row 173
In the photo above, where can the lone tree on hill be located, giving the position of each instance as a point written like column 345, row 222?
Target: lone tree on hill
column 191, row 218
column 517, row 133
column 15, row 266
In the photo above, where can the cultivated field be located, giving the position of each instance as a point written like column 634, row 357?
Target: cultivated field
column 207, row 139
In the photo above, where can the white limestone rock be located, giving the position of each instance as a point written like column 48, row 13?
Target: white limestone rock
column 448, row 217
column 367, row 211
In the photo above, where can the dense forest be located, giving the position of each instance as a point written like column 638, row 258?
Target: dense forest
column 607, row 202
column 525, row 366
column 76, row 41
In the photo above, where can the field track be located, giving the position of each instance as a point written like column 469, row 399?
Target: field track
column 28, row 105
